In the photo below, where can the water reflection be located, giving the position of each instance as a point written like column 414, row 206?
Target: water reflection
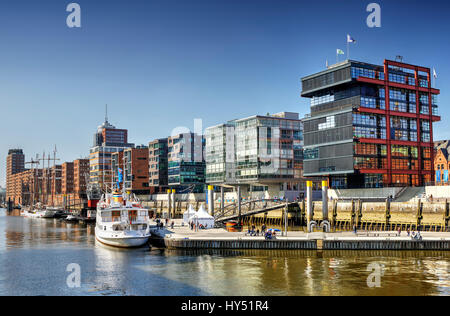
column 34, row 254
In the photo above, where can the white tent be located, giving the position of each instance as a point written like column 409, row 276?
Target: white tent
column 202, row 217
column 188, row 214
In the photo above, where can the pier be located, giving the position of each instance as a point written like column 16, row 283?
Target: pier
column 182, row 237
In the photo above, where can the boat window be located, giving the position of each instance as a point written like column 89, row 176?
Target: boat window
column 117, row 228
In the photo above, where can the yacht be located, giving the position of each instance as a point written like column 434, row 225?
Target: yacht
column 36, row 211
column 46, row 213
column 121, row 221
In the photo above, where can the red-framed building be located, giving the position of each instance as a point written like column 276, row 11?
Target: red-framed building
column 371, row 125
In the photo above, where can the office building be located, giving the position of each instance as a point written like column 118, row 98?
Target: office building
column 107, row 140
column 370, row 126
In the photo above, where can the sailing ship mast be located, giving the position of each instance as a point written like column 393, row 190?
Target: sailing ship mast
column 53, row 185
column 33, row 174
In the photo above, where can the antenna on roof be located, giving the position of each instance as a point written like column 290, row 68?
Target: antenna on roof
column 399, row 58
column 106, row 113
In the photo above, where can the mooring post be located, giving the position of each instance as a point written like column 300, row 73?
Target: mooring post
column 419, row 214
column 352, row 218
column 325, row 221
column 222, row 201
column 286, row 218
column 211, row 200
column 309, row 205
column 358, row 213
column 169, row 202
column 388, row 213
column 174, row 203
column 325, row 200
column 447, row 215
column 239, row 203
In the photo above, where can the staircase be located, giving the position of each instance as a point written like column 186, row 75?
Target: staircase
column 411, row 194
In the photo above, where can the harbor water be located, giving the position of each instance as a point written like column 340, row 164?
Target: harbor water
column 37, row 257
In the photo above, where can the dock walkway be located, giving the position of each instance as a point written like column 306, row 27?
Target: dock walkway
column 182, row 237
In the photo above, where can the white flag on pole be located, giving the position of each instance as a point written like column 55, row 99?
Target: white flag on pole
column 434, row 73
column 350, row 39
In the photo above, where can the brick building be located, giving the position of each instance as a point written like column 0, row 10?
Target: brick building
column 15, row 163
column 67, row 178
column 441, row 163
column 51, row 186
column 80, row 175
column 134, row 163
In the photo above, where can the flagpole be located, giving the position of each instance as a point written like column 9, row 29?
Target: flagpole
column 434, row 77
column 348, row 51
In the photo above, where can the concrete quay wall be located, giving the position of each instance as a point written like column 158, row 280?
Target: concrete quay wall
column 294, row 244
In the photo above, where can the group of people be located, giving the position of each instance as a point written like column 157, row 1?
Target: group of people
column 160, row 224
column 413, row 234
column 253, row 231
column 268, row 234
column 200, row 226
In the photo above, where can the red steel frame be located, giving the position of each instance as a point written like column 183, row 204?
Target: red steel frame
column 388, row 113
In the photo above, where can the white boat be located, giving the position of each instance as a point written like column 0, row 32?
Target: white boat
column 33, row 212
column 121, row 222
column 72, row 218
column 27, row 213
column 46, row 213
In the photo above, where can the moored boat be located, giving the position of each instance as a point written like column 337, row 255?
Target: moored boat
column 121, row 222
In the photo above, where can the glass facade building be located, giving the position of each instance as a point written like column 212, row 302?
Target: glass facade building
column 257, row 149
column 370, row 126
column 186, row 164
column 158, row 165
column 219, row 154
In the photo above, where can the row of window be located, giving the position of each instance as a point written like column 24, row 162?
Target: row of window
column 369, row 120
column 369, row 132
column 373, row 103
column 378, row 150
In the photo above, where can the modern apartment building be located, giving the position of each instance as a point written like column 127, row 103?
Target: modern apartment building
column 158, row 165
column 107, row 140
column 186, row 164
column 264, row 153
column 370, row 125
column 134, row 165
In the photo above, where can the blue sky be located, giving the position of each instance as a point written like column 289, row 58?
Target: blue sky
column 161, row 64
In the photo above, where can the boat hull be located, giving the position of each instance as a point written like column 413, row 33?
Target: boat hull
column 122, row 242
